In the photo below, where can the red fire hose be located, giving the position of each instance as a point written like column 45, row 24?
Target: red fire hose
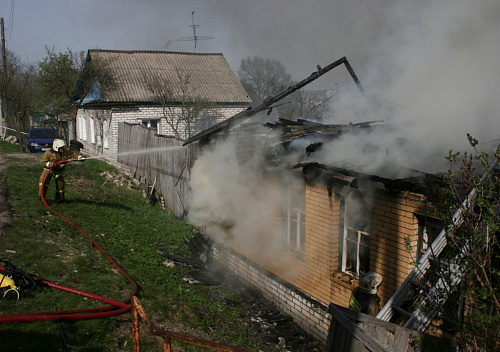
column 112, row 309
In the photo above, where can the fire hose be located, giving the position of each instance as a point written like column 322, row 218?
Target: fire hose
column 113, row 307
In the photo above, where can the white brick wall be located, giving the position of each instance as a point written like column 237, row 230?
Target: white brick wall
column 309, row 314
column 132, row 114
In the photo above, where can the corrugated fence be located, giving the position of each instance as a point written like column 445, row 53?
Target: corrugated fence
column 160, row 161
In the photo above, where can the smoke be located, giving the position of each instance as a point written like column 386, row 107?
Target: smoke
column 430, row 70
column 358, row 205
column 432, row 78
column 228, row 204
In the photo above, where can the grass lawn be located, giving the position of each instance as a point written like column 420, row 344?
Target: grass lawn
column 132, row 232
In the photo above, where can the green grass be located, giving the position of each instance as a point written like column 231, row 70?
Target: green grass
column 132, row 232
column 7, row 147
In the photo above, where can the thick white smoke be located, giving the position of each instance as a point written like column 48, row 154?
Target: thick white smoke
column 227, row 203
column 435, row 61
column 440, row 65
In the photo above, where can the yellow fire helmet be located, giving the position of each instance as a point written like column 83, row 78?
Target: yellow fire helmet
column 8, row 288
column 6, row 281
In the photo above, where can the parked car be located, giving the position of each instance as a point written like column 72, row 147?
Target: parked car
column 40, row 139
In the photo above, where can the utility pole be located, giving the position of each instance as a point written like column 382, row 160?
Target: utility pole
column 2, row 80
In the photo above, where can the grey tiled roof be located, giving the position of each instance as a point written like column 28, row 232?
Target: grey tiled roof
column 211, row 76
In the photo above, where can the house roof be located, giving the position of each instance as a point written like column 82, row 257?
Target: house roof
column 211, row 76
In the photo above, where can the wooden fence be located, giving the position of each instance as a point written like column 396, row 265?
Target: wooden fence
column 356, row 332
column 160, row 161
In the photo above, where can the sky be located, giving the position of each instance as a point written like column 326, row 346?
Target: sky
column 298, row 33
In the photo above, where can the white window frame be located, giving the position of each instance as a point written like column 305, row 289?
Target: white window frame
column 295, row 229
column 357, row 270
column 83, row 127
column 92, row 130
column 105, row 132
column 147, row 123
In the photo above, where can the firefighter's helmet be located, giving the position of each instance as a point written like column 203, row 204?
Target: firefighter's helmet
column 8, row 288
column 369, row 282
column 57, row 144
column 6, row 281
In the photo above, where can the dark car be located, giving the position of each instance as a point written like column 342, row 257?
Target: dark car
column 40, row 139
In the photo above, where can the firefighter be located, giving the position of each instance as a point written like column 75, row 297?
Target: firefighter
column 59, row 152
column 364, row 298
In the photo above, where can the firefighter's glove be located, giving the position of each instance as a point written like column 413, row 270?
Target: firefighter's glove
column 81, row 158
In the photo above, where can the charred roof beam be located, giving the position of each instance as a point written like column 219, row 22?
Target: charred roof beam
column 232, row 121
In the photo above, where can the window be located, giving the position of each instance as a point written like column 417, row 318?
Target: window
column 151, row 124
column 428, row 230
column 355, row 258
column 92, row 130
column 357, row 252
column 294, row 216
column 83, row 127
column 106, row 133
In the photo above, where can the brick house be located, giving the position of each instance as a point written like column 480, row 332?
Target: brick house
column 320, row 227
column 177, row 94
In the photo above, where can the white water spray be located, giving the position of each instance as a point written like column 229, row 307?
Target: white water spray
column 134, row 152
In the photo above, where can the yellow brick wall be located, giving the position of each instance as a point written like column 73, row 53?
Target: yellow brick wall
column 393, row 220
column 316, row 272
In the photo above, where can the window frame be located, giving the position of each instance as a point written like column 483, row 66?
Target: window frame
column 83, row 127
column 147, row 123
column 295, row 220
column 428, row 230
column 359, row 243
column 345, row 227
column 92, row 130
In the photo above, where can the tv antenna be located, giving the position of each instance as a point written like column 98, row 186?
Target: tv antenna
column 195, row 37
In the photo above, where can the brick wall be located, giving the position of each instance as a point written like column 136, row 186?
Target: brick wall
column 134, row 114
column 393, row 220
column 315, row 276
column 307, row 313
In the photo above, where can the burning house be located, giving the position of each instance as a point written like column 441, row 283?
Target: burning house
column 299, row 220
column 307, row 231
column 300, row 210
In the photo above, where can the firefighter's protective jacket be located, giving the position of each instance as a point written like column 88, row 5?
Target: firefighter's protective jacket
column 52, row 157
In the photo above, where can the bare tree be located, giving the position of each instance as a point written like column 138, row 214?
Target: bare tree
column 185, row 111
column 306, row 105
column 263, row 78
column 17, row 84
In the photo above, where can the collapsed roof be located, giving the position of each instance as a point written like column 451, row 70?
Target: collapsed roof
column 275, row 143
column 240, row 117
